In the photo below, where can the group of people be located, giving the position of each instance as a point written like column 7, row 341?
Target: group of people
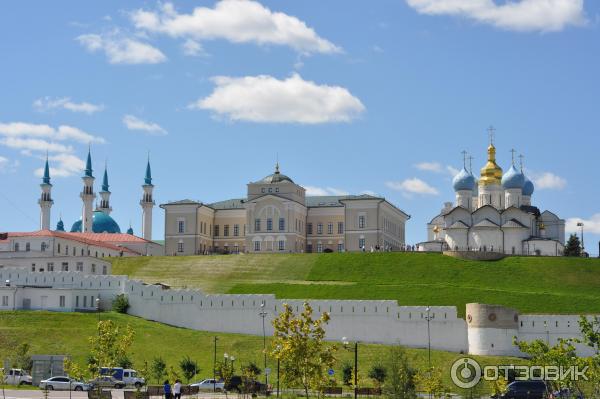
column 172, row 392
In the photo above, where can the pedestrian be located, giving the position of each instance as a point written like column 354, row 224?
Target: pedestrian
column 177, row 389
column 167, row 389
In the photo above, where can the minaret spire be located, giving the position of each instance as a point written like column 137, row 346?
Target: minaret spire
column 88, row 196
column 147, row 203
column 105, row 193
column 45, row 200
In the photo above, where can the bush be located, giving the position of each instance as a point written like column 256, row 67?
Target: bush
column 347, row 374
column 120, row 304
column 378, row 373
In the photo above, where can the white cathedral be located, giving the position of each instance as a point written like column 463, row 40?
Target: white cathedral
column 495, row 214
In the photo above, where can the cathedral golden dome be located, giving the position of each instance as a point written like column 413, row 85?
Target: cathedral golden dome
column 491, row 173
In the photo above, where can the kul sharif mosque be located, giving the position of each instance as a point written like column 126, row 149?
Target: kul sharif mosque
column 98, row 220
column 495, row 213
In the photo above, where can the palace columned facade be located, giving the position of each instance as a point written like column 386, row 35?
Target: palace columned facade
column 278, row 216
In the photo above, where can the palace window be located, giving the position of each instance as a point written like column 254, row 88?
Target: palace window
column 180, row 246
column 257, row 246
column 361, row 243
column 340, row 247
column 256, row 224
column 181, row 226
column 43, row 247
column 330, row 228
column 27, row 247
column 269, row 224
column 65, row 267
column 79, row 266
column 226, row 230
column 309, row 228
column 281, row 224
column 16, row 247
column 320, row 228
column 104, row 270
column 93, row 268
column 216, row 232
column 281, row 245
column 236, row 230
column 361, row 221
column 50, row 266
column 319, row 247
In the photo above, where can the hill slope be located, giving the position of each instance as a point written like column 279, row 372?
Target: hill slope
column 530, row 284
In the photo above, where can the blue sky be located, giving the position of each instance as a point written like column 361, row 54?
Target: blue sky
column 352, row 97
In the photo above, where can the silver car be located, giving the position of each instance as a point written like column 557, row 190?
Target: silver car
column 209, row 384
column 63, row 383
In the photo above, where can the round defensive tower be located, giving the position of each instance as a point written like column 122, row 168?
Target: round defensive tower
column 491, row 329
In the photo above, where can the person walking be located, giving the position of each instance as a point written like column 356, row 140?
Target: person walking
column 167, row 389
column 177, row 389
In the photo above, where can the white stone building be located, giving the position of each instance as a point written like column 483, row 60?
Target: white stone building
column 495, row 214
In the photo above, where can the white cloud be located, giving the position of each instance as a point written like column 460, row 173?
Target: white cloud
column 47, row 104
column 238, row 21
column 63, row 165
column 34, row 145
column 370, row 192
column 412, row 186
column 64, row 132
column 264, row 98
column 591, row 225
column 8, row 166
column 122, row 50
column 452, row 170
column 317, row 191
column 192, row 48
column 523, row 15
column 548, row 181
column 134, row 123
column 436, row 167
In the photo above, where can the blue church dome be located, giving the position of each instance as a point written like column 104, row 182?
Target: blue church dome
column 101, row 223
column 463, row 181
column 513, row 178
column 528, row 187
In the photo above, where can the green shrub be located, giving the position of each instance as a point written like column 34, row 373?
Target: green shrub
column 120, row 304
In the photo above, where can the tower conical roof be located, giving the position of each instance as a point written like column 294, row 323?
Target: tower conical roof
column 148, row 177
column 105, row 186
column 88, row 164
column 46, row 178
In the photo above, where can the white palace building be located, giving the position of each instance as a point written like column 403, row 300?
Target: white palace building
column 495, row 214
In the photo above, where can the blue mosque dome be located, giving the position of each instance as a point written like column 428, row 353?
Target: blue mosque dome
column 463, row 181
column 60, row 226
column 101, row 223
column 528, row 187
column 513, row 178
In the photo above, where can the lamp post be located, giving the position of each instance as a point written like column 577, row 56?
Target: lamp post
column 580, row 224
column 278, row 349
column 355, row 350
column 98, row 308
column 429, row 317
column 263, row 314
column 215, row 366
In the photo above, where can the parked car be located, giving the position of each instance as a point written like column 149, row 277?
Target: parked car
column 535, row 389
column 106, row 381
column 236, row 383
column 63, row 383
column 209, row 384
column 17, row 377
column 128, row 376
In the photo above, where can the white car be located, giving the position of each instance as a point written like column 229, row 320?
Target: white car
column 209, row 384
column 62, row 383
column 17, row 377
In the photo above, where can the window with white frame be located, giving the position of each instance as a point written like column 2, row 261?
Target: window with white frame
column 340, row 247
column 269, row 224
column 361, row 243
column 79, row 266
column 309, row 228
column 181, row 226
column 226, row 230
column 281, row 245
column 104, row 270
column 50, row 266
column 27, row 247
column 256, row 224
column 281, row 224
column 320, row 228
column 340, row 227
column 43, row 247
column 257, row 245
column 33, row 267
column 93, row 268
column 362, row 221
column 64, row 267
column 330, row 228
column 319, row 247
column 180, row 246
column 236, row 230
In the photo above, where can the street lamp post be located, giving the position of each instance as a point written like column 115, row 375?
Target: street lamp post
column 215, row 366
column 580, row 224
column 263, row 314
column 98, row 308
column 429, row 317
column 355, row 350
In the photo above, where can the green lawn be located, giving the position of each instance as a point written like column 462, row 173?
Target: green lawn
column 530, row 284
column 67, row 333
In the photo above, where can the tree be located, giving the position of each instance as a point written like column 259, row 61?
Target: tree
column 120, row 304
column 250, row 372
column 378, row 373
column 125, row 362
column 573, row 247
column 299, row 346
column 590, row 330
column 224, row 371
column 73, row 370
column 431, row 382
column 158, row 369
column 189, row 368
column 347, row 374
column 109, row 345
column 400, row 381
column 22, row 359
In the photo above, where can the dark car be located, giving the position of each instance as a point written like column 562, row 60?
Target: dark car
column 526, row 390
column 238, row 384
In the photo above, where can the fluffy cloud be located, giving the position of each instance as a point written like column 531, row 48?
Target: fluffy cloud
column 62, row 165
column 238, row 21
column 548, row 181
column 122, row 50
column 412, row 186
column 134, row 123
column 312, row 191
column 8, row 166
column 48, row 104
column 591, row 225
column 192, row 48
column 34, row 145
column 523, row 15
column 16, row 130
column 264, row 98
column 436, row 167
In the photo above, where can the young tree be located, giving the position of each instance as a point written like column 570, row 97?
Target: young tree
column 573, row 247
column 400, row 381
column 378, row 373
column 250, row 372
column 120, row 304
column 158, row 369
column 109, row 345
column 431, row 382
column 590, row 329
column 224, row 371
column 73, row 370
column 347, row 374
column 189, row 368
column 299, row 346
column 22, row 359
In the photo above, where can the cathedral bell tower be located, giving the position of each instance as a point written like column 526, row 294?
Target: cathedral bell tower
column 88, row 196
column 45, row 200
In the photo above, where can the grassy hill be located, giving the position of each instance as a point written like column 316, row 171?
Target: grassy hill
column 530, row 284
column 67, row 333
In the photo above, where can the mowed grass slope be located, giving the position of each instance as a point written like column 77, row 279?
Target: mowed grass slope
column 68, row 333
column 529, row 284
